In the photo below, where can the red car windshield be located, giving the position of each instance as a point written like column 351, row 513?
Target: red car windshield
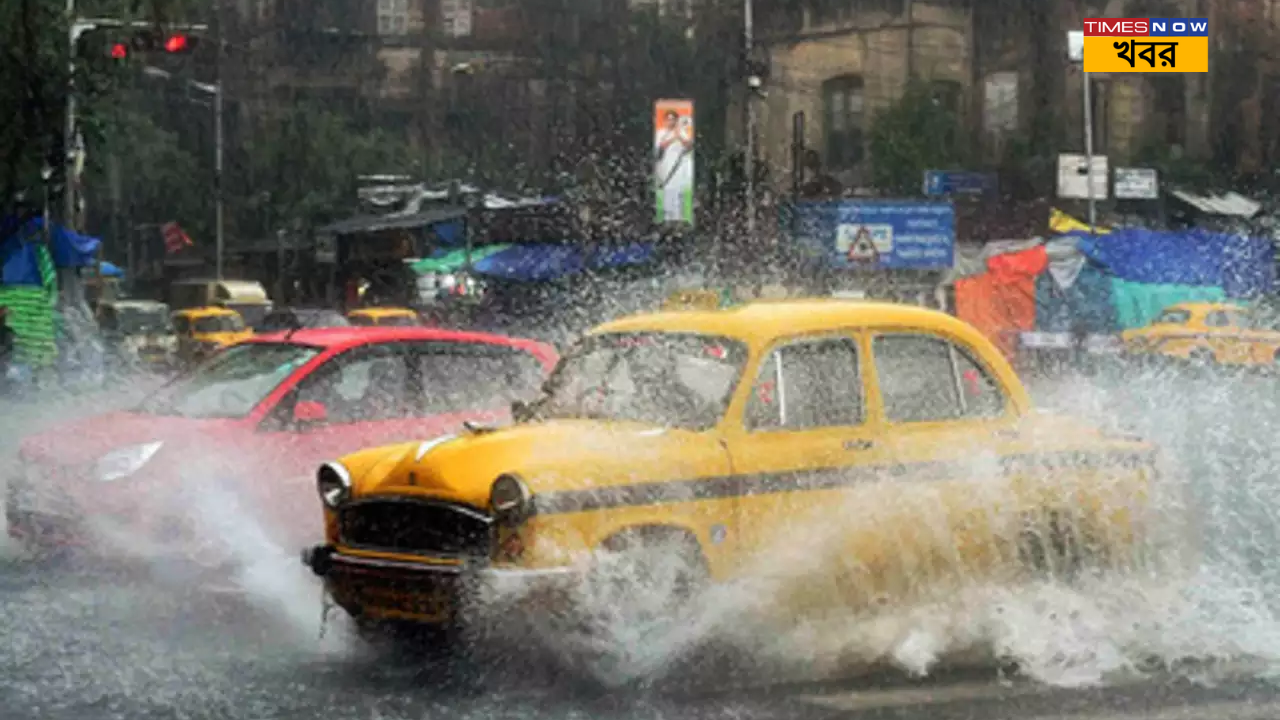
column 231, row 383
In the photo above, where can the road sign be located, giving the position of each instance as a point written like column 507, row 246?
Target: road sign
column 1137, row 184
column 1074, row 176
column 942, row 182
column 885, row 234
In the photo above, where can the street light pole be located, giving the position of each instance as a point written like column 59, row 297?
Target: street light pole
column 69, row 132
column 748, row 160
column 217, row 177
column 1088, row 146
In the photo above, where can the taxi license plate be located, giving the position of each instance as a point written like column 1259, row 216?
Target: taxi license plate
column 434, row 603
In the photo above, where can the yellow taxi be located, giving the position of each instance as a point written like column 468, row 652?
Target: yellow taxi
column 383, row 316
column 855, row 452
column 1205, row 334
column 202, row 331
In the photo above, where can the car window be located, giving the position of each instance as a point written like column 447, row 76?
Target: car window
column 181, row 325
column 980, row 394
column 1220, row 318
column 361, row 320
column 361, row 385
column 399, row 321
column 918, row 377
column 1172, row 317
column 462, row 376
column 808, row 384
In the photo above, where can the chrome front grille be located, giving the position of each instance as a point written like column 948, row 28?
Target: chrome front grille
column 415, row 527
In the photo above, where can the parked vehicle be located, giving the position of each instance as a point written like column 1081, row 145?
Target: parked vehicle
column 203, row 331
column 138, row 333
column 290, row 318
column 1206, row 334
column 246, row 297
column 243, row 432
column 384, row 316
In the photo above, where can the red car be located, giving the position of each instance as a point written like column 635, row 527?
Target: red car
column 242, row 434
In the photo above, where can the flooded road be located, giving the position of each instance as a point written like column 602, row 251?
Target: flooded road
column 90, row 644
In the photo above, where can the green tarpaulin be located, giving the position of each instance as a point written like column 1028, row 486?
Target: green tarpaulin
column 454, row 260
column 31, row 314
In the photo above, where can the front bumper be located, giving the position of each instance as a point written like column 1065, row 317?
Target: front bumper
column 429, row 592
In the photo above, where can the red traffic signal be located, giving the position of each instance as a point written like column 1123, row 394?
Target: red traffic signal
column 119, row 51
column 176, row 44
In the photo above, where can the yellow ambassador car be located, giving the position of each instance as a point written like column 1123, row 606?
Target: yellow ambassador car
column 1206, row 333
column 870, row 452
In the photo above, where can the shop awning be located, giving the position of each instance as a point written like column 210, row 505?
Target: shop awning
column 394, row 221
column 454, row 260
column 543, row 262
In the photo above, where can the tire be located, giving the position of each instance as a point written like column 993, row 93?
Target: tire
column 1201, row 358
column 635, row 607
column 1055, row 546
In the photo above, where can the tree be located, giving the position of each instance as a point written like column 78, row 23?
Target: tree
column 913, row 135
column 35, row 78
column 304, row 164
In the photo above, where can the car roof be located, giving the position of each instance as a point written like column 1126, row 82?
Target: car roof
column 762, row 320
column 342, row 338
column 135, row 303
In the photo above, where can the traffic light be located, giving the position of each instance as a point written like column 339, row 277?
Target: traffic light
column 123, row 44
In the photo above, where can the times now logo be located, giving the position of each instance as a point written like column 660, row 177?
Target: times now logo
column 1142, row 27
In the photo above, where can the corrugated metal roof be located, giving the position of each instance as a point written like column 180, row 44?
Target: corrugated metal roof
column 1230, row 204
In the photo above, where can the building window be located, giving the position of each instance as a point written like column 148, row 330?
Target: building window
column 1169, row 110
column 393, row 17
column 1000, row 104
column 456, row 17
column 843, row 119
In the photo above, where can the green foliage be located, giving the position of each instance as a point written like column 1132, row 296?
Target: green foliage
column 305, row 164
column 911, row 136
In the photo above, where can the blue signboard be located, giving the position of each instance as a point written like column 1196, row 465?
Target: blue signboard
column 878, row 234
column 940, row 182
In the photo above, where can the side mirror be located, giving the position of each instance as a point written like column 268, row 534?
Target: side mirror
column 309, row 412
column 520, row 411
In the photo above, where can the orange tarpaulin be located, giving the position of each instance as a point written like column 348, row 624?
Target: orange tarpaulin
column 1001, row 302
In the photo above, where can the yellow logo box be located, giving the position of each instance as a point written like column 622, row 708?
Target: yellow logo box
column 1146, row 54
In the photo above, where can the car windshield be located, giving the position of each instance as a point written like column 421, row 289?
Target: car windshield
column 231, row 383
column 139, row 321
column 361, row 320
column 218, row 324
column 669, row 379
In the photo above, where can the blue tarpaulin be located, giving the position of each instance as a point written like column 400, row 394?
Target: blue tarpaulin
column 542, row 262
column 69, row 249
column 1241, row 266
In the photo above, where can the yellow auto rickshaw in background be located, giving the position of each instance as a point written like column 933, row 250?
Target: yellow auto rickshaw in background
column 203, row 331
column 383, row 317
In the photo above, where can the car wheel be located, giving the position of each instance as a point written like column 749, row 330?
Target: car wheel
column 1056, row 546
column 1201, row 358
column 636, row 607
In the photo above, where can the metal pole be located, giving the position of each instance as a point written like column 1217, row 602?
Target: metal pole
column 217, row 177
column 69, row 133
column 748, row 161
column 1088, row 149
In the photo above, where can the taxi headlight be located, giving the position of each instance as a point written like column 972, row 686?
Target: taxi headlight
column 510, row 500
column 333, row 483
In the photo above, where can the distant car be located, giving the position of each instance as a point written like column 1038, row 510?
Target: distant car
column 138, row 333
column 1206, row 334
column 298, row 318
column 384, row 316
column 247, row 429
column 203, row 331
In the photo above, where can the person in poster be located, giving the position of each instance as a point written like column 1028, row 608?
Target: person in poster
column 673, row 165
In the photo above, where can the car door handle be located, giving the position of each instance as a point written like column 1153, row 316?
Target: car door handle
column 858, row 444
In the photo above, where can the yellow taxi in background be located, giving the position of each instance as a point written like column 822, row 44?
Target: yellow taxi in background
column 851, row 453
column 1205, row 334
column 384, row 316
column 203, row 331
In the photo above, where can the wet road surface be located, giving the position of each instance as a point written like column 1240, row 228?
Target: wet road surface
column 82, row 646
